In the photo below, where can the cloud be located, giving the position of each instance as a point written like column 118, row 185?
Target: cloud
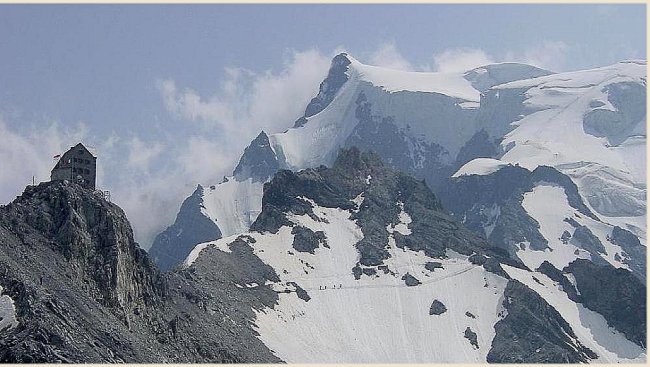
column 247, row 102
column 30, row 153
column 149, row 176
column 460, row 59
column 141, row 154
column 388, row 56
column 549, row 55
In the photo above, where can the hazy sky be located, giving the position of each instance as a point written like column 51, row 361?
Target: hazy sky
column 169, row 95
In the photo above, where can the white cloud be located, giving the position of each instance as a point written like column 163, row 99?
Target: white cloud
column 247, row 102
column 549, row 55
column 460, row 59
column 388, row 56
column 149, row 178
column 141, row 154
column 30, row 153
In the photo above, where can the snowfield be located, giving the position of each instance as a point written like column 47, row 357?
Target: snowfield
column 390, row 80
column 378, row 318
column 371, row 320
column 549, row 206
column 480, row 166
column 233, row 205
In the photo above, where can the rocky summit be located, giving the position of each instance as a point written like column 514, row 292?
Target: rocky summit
column 81, row 290
column 492, row 215
column 361, row 249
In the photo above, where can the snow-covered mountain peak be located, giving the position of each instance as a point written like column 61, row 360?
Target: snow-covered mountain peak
column 632, row 70
column 487, row 76
column 431, row 124
column 392, row 80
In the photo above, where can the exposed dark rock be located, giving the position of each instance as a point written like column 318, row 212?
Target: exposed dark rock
column 410, row 280
column 583, row 238
column 356, row 271
column 557, row 276
column 433, row 265
column 566, row 236
column 258, row 161
column 306, row 240
column 540, row 332
column 432, row 231
column 190, row 228
column 493, row 266
column 470, row 315
column 478, row 146
column 614, row 293
column 477, row 259
column 85, row 292
column 494, row 201
column 301, row 293
column 471, row 336
column 335, row 79
column 634, row 254
column 437, row 308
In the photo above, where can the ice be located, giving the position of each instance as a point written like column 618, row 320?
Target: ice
column 553, row 134
column 233, row 205
column 480, row 166
column 450, row 84
column 549, row 206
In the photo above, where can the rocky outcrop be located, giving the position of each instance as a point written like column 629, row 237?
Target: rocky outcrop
column 491, row 205
column 85, row 292
column 540, row 332
column 258, row 161
column 191, row 227
column 614, row 293
column 336, row 77
column 437, row 308
column 432, row 230
column 306, row 240
column 634, row 253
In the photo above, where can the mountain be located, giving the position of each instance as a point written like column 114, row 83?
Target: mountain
column 438, row 125
column 538, row 216
column 369, row 267
column 75, row 287
column 546, row 171
column 358, row 262
column 191, row 227
column 420, row 123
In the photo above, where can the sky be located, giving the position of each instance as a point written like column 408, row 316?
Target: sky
column 169, row 95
